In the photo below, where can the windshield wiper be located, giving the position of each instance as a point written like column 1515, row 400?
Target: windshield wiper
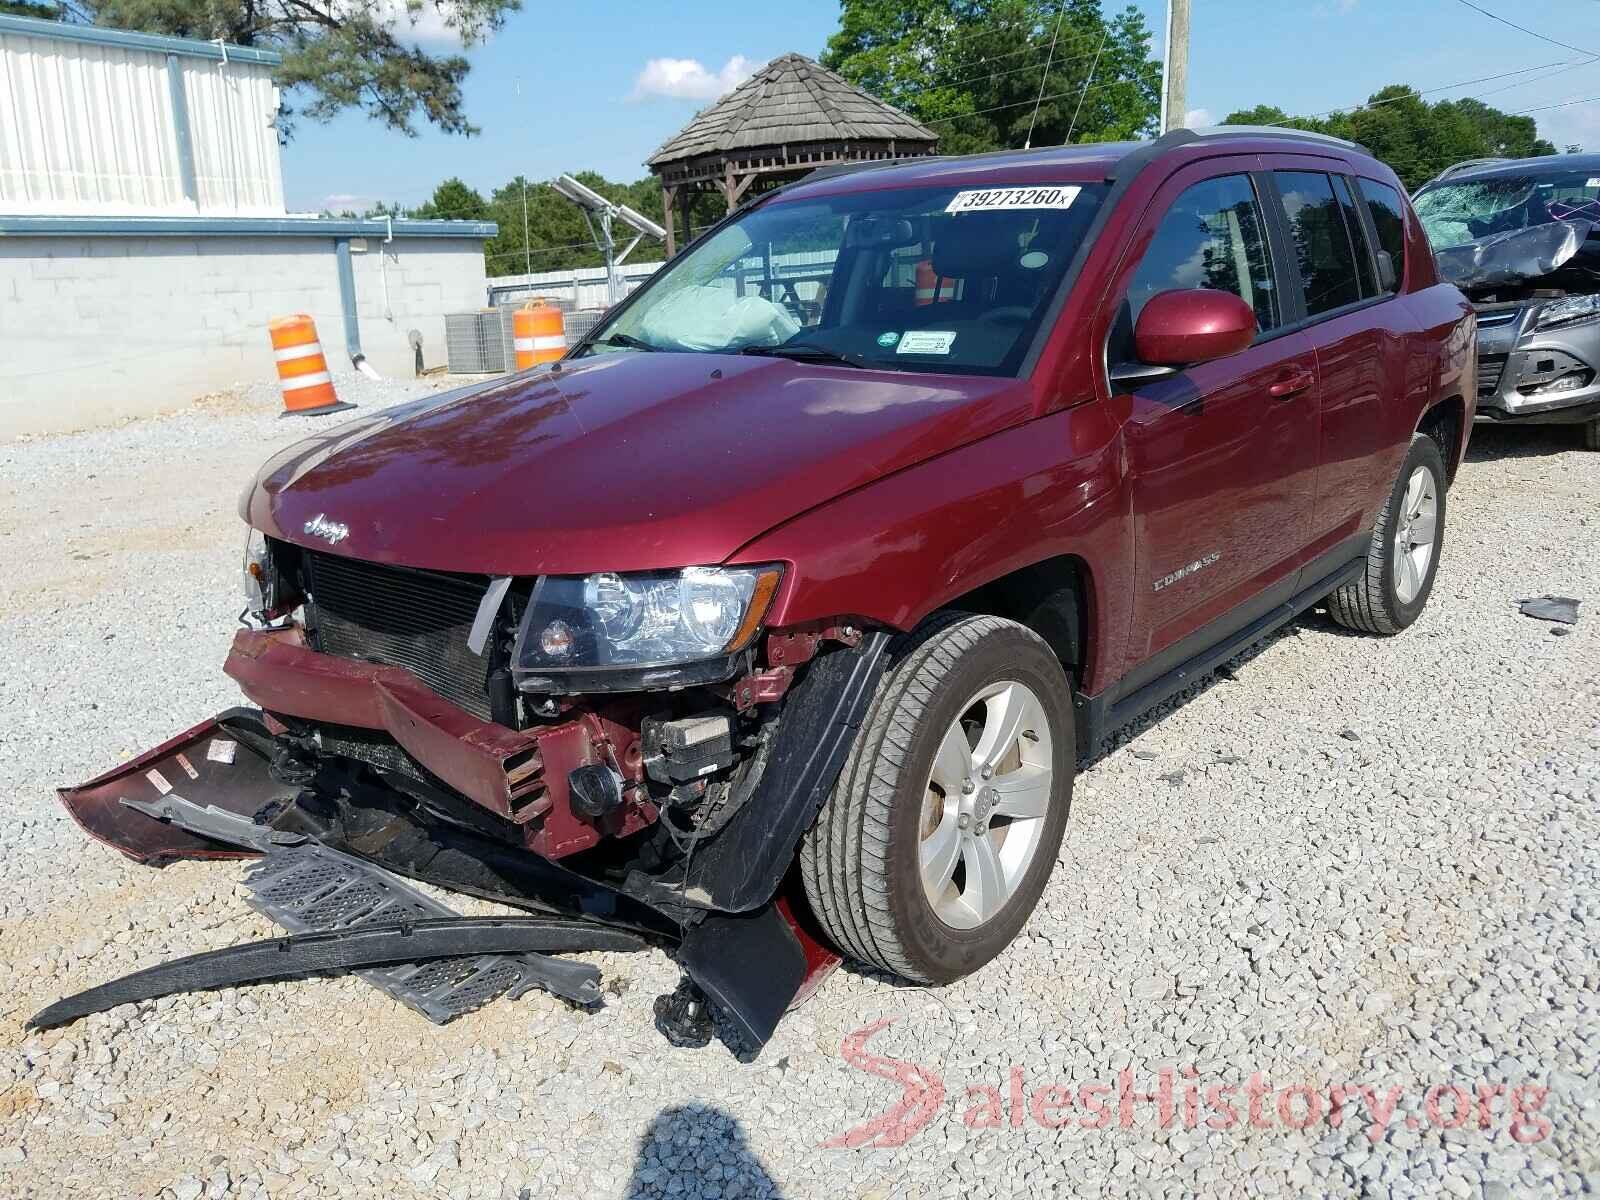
column 807, row 354
column 624, row 339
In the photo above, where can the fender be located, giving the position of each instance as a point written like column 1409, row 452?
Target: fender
column 897, row 549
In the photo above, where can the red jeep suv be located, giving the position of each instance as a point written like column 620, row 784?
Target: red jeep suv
column 780, row 613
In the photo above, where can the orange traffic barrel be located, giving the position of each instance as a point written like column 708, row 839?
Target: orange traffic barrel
column 302, row 368
column 930, row 288
column 538, row 333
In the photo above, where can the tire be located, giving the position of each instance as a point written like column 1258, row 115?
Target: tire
column 1389, row 595
column 1591, row 435
column 861, row 863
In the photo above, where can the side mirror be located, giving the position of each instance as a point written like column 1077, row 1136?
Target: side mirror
column 1180, row 328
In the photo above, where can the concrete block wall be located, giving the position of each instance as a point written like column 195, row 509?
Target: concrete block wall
column 98, row 328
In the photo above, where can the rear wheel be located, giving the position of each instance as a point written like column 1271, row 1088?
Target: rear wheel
column 1403, row 556
column 944, row 826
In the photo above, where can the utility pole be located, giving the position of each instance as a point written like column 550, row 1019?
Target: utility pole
column 1175, row 68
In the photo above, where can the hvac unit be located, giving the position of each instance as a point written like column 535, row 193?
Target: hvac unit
column 477, row 343
column 579, row 323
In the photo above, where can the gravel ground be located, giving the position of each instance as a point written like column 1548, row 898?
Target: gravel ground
column 1346, row 862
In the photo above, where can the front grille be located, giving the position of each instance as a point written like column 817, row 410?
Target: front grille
column 1490, row 368
column 1493, row 318
column 418, row 620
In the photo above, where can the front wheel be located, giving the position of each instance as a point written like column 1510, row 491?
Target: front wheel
column 1403, row 556
column 944, row 825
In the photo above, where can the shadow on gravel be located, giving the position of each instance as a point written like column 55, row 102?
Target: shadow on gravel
column 1491, row 443
column 695, row 1150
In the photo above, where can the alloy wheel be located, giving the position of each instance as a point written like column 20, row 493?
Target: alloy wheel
column 985, row 804
column 1414, row 536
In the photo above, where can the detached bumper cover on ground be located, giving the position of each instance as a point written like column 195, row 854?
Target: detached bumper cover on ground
column 733, row 938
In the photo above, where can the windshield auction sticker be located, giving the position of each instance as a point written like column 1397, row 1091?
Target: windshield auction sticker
column 927, row 341
column 1000, row 199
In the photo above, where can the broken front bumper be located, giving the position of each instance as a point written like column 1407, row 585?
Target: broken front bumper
column 726, row 919
column 1536, row 376
column 519, row 776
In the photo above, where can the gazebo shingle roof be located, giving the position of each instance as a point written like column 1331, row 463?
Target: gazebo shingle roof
column 790, row 100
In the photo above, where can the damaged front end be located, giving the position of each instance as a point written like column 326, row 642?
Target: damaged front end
column 1525, row 248
column 502, row 738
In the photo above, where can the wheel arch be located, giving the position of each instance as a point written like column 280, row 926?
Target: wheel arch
column 1445, row 423
column 1053, row 597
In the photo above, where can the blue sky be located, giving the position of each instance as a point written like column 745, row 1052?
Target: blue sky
column 598, row 86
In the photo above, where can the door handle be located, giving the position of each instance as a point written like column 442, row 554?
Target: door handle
column 1290, row 384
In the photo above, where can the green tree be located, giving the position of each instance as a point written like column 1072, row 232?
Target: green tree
column 1414, row 137
column 974, row 69
column 30, row 8
column 453, row 200
column 340, row 54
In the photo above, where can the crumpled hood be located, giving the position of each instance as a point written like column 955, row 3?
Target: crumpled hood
column 1520, row 255
column 617, row 463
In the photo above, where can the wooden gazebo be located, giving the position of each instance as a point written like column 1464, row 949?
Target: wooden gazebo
column 789, row 118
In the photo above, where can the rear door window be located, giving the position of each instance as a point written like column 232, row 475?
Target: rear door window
column 1365, row 264
column 1321, row 241
column 1213, row 236
column 1389, row 219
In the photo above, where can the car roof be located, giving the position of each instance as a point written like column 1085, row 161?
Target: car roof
column 1053, row 164
column 1520, row 166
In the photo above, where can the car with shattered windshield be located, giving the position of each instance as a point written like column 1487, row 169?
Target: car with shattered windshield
column 1521, row 237
column 772, row 624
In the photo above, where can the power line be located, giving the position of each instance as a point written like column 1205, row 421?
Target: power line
column 1061, row 11
column 1558, row 104
column 955, row 83
column 1088, row 79
column 1526, row 30
column 978, row 112
column 1443, row 87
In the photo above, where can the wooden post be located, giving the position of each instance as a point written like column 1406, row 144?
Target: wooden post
column 668, row 195
column 1175, row 67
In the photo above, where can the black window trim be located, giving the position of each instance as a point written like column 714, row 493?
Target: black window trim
column 1280, row 218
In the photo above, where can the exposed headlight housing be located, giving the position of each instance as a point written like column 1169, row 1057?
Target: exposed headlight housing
column 612, row 632
column 260, row 578
column 1570, row 311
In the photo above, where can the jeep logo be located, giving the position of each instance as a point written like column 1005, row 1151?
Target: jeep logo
column 330, row 531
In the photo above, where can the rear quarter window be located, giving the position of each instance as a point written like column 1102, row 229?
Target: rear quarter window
column 1389, row 219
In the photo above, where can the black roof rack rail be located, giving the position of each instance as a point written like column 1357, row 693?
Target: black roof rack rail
column 1272, row 131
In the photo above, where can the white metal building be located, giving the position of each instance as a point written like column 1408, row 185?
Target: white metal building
column 104, row 121
column 144, row 245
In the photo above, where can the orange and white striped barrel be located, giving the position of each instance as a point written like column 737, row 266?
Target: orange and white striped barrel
column 538, row 333
column 929, row 287
column 302, row 368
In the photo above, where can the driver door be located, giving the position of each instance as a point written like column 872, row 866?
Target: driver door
column 1222, row 455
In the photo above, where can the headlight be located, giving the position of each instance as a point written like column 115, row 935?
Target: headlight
column 1568, row 312
column 640, row 623
column 260, row 580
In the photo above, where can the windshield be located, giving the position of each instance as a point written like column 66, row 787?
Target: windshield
column 1457, row 213
column 925, row 279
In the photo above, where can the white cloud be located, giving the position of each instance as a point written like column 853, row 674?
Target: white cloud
column 421, row 23
column 342, row 201
column 688, row 78
column 1198, row 118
